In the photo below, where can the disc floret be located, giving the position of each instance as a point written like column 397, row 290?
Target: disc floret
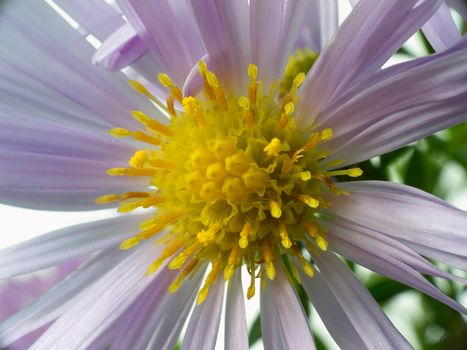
column 235, row 181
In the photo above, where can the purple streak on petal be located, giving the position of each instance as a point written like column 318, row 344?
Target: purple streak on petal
column 94, row 16
column 419, row 220
column 441, row 30
column 320, row 23
column 236, row 332
column 102, row 303
column 387, row 257
column 278, row 19
column 400, row 109
column 165, row 35
column 120, row 49
column 372, row 32
column 374, row 328
column 283, row 322
column 58, row 300
column 225, row 31
column 204, row 323
column 61, row 245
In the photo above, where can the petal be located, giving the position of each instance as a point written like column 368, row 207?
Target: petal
column 387, row 257
column 419, row 220
column 120, row 49
column 349, row 311
column 204, row 323
column 320, row 24
column 400, row 109
column 363, row 43
column 164, row 27
column 236, row 333
column 95, row 17
column 59, row 183
column 61, row 245
column 102, row 303
column 58, row 300
column 460, row 6
column 225, row 31
column 61, row 78
column 278, row 19
column 283, row 322
column 441, row 30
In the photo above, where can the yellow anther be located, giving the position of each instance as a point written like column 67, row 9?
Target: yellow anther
column 326, row 134
column 136, row 85
column 251, row 289
column 298, row 80
column 192, row 107
column 228, row 272
column 244, row 103
column 212, row 79
column 109, row 198
column 202, row 67
column 355, row 172
column 305, row 175
column 168, row 252
column 127, row 207
column 180, row 259
column 285, row 240
column 268, row 258
column 129, row 243
column 210, row 279
column 165, row 80
column 186, row 271
column 243, row 241
column 119, row 132
column 152, row 123
column 137, row 160
column 307, row 268
column 275, row 209
column 273, row 147
column 143, row 137
column 310, row 201
column 322, row 243
column 289, row 108
column 117, row 171
column 252, row 72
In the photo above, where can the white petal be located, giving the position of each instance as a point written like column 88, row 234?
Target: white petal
column 55, row 247
column 283, row 321
column 204, row 323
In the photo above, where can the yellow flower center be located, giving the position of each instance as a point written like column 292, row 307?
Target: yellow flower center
column 234, row 180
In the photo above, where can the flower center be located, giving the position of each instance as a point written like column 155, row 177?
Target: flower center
column 234, row 180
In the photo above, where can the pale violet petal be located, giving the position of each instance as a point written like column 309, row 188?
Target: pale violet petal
column 236, row 333
column 419, row 220
column 283, row 321
column 441, row 30
column 204, row 323
column 372, row 32
column 65, row 244
column 358, row 306
column 102, row 303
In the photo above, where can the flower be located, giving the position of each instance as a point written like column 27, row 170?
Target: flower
column 242, row 173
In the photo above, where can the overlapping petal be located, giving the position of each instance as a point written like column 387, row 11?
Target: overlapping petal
column 441, row 30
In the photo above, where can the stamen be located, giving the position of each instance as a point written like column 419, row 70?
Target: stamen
column 136, row 85
column 268, row 258
column 152, row 123
column 243, row 241
column 286, row 243
column 353, row 172
column 193, row 108
column 273, row 147
column 275, row 209
column 310, row 201
column 185, row 272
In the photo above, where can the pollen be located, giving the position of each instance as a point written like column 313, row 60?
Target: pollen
column 232, row 180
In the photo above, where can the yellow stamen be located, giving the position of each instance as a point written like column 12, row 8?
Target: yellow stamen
column 310, row 201
column 273, row 147
column 275, row 209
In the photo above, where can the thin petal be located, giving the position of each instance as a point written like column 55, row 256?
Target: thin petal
column 372, row 32
column 441, row 30
column 283, row 321
column 400, row 109
column 356, row 304
column 204, row 323
column 56, row 301
column 236, row 333
column 55, row 247
column 102, row 303
column 120, row 49
column 175, row 46
column 278, row 19
column 225, row 31
column 387, row 257
column 419, row 220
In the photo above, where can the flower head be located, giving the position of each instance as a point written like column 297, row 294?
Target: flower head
column 233, row 154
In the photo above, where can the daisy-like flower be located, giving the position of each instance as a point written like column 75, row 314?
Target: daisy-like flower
column 242, row 173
